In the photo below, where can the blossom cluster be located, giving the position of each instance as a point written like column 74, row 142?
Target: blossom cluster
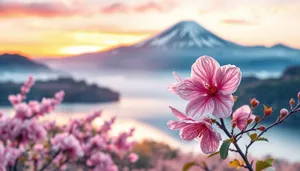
column 27, row 143
column 209, row 92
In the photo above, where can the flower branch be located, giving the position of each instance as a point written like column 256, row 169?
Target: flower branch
column 209, row 92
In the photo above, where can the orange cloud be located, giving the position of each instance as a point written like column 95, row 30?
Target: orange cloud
column 47, row 10
column 111, row 29
column 119, row 7
column 237, row 22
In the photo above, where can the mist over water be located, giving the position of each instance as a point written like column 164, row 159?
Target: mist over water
column 144, row 105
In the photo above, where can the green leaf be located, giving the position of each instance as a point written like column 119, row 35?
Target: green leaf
column 269, row 160
column 261, row 165
column 188, row 165
column 213, row 154
column 253, row 136
column 224, row 149
column 261, row 139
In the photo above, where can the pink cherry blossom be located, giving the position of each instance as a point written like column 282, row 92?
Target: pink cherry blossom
column 39, row 142
column 24, row 130
column 209, row 89
column 26, row 87
column 133, row 157
column 201, row 130
column 15, row 99
column 47, row 106
column 23, row 111
column 107, row 124
column 50, row 125
column 241, row 116
column 59, row 96
column 101, row 162
column 38, row 147
column 8, row 156
column 34, row 106
column 121, row 142
column 92, row 116
column 33, row 131
column 96, row 142
column 4, row 128
column 68, row 144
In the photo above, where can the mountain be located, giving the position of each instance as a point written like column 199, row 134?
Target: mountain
column 282, row 46
column 186, row 34
column 76, row 91
column 177, row 48
column 18, row 63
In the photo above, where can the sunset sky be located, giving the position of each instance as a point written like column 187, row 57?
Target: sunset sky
column 56, row 28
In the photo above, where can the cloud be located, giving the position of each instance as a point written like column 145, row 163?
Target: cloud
column 237, row 22
column 45, row 9
column 162, row 6
column 116, row 7
column 110, row 29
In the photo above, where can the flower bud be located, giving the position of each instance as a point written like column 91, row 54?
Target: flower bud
column 249, row 121
column 254, row 102
column 235, row 98
column 212, row 121
column 267, row 110
column 257, row 119
column 292, row 102
column 233, row 124
column 262, row 128
column 283, row 113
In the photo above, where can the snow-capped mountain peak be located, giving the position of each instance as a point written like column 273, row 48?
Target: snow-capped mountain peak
column 185, row 34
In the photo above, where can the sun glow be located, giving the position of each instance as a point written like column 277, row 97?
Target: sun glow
column 74, row 50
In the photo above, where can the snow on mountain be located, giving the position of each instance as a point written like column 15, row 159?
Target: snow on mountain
column 177, row 48
column 185, row 34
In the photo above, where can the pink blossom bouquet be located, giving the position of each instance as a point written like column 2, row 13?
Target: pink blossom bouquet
column 26, row 143
column 209, row 92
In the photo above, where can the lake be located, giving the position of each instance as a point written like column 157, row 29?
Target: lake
column 144, row 105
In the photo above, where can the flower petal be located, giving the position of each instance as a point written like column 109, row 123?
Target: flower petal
column 210, row 141
column 176, row 76
column 200, row 107
column 223, row 105
column 177, row 124
column 189, row 89
column 177, row 113
column 241, row 113
column 205, row 69
column 190, row 132
column 173, row 86
column 228, row 78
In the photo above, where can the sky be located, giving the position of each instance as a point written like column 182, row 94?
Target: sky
column 59, row 28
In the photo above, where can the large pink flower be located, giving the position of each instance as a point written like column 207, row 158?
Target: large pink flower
column 209, row 89
column 241, row 115
column 201, row 130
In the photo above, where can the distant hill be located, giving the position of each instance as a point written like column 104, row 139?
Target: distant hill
column 19, row 63
column 76, row 91
column 178, row 47
column 272, row 92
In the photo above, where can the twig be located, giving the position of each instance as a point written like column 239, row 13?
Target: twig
column 294, row 110
column 223, row 127
column 50, row 161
